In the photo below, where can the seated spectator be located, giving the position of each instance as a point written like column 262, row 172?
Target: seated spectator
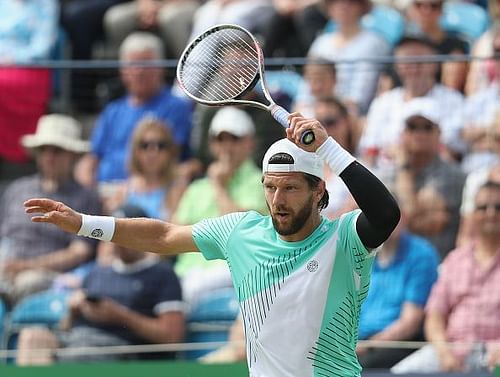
column 147, row 95
column 464, row 306
column 429, row 187
column 28, row 30
column 31, row 259
column 333, row 114
column 482, row 121
column 153, row 183
column 251, row 14
column 171, row 18
column 82, row 22
column 137, row 300
column 356, row 79
column 404, row 270
column 385, row 123
column 481, row 71
column 319, row 81
column 233, row 183
column 424, row 16
column 473, row 182
column 293, row 26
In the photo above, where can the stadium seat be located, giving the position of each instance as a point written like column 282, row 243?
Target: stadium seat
column 3, row 311
column 211, row 320
column 467, row 19
column 45, row 308
column 383, row 20
column 287, row 82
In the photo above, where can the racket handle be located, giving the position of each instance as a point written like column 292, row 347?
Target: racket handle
column 281, row 115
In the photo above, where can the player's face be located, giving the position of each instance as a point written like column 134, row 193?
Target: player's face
column 291, row 203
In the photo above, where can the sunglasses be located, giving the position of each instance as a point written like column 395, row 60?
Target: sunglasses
column 330, row 121
column 427, row 127
column 225, row 136
column 153, row 145
column 434, row 5
column 484, row 207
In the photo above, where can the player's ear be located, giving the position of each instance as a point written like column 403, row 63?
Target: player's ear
column 320, row 191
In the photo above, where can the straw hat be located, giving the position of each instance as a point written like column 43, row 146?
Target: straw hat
column 57, row 130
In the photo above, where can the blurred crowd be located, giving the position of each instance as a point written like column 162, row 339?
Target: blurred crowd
column 410, row 87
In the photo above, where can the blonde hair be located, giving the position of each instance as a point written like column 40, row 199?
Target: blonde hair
column 154, row 124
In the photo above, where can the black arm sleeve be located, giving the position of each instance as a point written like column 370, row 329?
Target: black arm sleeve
column 380, row 212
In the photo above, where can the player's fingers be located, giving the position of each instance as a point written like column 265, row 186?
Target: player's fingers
column 36, row 209
column 40, row 202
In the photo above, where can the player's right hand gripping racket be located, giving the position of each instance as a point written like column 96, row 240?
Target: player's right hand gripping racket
column 223, row 64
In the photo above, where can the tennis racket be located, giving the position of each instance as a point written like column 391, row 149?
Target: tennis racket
column 223, row 64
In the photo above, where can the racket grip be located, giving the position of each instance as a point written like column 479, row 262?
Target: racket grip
column 281, row 115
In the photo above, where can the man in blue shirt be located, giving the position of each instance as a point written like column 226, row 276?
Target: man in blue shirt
column 403, row 273
column 147, row 96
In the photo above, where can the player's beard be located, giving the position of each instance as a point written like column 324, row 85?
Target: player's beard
column 298, row 220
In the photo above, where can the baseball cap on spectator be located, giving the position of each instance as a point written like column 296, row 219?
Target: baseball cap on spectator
column 57, row 130
column 423, row 107
column 233, row 121
column 285, row 157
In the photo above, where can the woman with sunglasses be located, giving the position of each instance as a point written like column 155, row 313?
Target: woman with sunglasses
column 152, row 184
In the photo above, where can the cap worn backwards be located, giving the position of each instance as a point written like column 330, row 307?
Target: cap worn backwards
column 295, row 160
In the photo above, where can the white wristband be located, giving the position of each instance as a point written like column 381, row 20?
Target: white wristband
column 336, row 157
column 98, row 227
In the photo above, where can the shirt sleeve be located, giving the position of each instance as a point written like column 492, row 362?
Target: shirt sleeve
column 169, row 295
column 423, row 276
column 211, row 235
column 349, row 237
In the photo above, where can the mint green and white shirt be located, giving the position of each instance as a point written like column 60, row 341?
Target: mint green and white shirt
column 300, row 301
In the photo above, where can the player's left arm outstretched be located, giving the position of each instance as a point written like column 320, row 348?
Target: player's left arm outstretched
column 380, row 211
column 141, row 234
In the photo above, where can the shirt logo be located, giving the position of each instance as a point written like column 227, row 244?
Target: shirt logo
column 97, row 233
column 312, row 265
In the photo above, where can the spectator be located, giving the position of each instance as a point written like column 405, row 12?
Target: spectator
column 464, row 306
column 82, row 21
column 172, row 19
column 429, row 188
column 134, row 301
column 357, row 78
column 293, row 26
column 424, row 16
column 32, row 259
column 404, row 270
column 418, row 81
column 320, row 77
column 28, row 31
column 333, row 114
column 233, row 183
column 482, row 121
column 153, row 183
column 473, row 182
column 251, row 14
column 147, row 95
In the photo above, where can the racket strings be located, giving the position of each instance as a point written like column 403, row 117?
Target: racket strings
column 221, row 66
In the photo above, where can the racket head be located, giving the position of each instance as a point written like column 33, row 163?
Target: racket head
column 220, row 65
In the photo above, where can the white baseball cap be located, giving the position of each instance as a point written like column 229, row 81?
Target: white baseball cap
column 300, row 160
column 424, row 107
column 233, row 121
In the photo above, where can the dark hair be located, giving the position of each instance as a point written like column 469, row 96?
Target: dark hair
column 313, row 183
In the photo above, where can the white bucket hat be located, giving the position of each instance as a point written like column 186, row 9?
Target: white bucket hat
column 301, row 160
column 57, row 130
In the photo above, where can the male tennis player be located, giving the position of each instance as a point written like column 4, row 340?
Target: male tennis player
column 300, row 278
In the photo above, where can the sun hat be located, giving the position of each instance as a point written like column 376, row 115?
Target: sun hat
column 296, row 160
column 57, row 130
column 233, row 121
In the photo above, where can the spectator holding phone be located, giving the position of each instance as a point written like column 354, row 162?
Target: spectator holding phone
column 136, row 300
